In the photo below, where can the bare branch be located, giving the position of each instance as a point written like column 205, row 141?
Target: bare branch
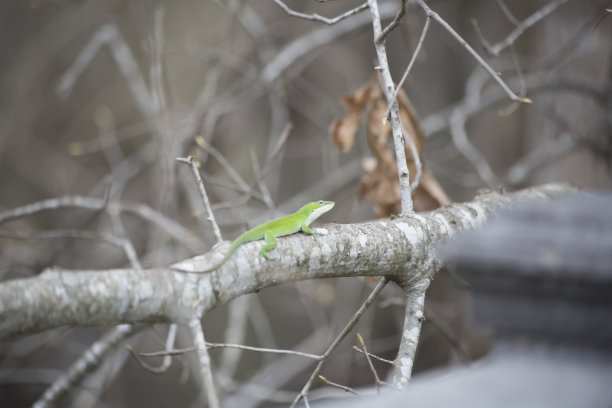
column 389, row 90
column 377, row 379
column 263, row 350
column 414, row 57
column 223, row 162
column 525, row 24
column 212, row 346
column 336, row 385
column 457, row 123
column 393, row 24
column 167, row 354
column 97, row 204
column 448, row 334
column 196, row 173
column 259, row 178
column 374, row 356
column 293, row 51
column 487, row 67
column 316, row 17
column 83, row 365
column 508, row 13
column 541, row 156
column 109, row 35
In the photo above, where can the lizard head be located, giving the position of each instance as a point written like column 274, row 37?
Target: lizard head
column 314, row 210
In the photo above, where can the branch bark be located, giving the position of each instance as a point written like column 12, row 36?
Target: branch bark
column 400, row 249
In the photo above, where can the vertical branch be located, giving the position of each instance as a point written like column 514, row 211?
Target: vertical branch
column 204, row 359
column 389, row 89
column 413, row 318
column 211, row 217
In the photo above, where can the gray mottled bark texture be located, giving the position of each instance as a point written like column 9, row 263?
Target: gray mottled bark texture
column 401, row 249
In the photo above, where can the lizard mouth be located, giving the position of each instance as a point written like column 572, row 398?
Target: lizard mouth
column 319, row 211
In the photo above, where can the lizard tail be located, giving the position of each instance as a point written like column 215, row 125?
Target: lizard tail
column 235, row 244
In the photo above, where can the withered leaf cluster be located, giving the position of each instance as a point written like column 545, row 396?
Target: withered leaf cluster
column 379, row 182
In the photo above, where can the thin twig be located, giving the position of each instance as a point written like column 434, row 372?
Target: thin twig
column 200, row 345
column 211, row 216
column 316, row 17
column 90, row 359
column 393, row 24
column 459, row 136
column 250, row 190
column 508, row 13
column 474, row 54
column 261, row 184
column 64, row 233
column 163, row 367
column 525, row 24
column 277, row 148
column 377, row 379
column 264, row 350
column 127, row 246
column 306, row 44
column 345, row 331
column 171, row 352
column 521, row 78
column 235, row 332
column 603, row 15
column 97, row 204
column 223, row 162
column 336, row 385
column 486, row 44
column 417, row 159
column 541, row 156
column 414, row 57
column 374, row 356
column 448, row 334
column 110, row 35
column 211, row 346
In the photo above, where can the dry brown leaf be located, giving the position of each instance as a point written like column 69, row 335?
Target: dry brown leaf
column 379, row 183
column 342, row 132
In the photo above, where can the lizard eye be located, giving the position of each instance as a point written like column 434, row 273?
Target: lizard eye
column 321, row 202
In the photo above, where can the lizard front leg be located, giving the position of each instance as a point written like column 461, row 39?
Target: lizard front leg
column 270, row 244
column 307, row 230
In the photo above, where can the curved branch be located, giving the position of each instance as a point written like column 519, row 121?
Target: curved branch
column 399, row 249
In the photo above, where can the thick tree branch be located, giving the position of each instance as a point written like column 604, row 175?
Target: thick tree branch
column 399, row 249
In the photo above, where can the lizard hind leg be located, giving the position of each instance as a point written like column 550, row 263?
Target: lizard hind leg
column 270, row 244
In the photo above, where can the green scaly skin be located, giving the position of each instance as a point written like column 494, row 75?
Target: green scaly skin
column 280, row 227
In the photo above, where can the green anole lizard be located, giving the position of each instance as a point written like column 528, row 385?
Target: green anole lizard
column 280, row 227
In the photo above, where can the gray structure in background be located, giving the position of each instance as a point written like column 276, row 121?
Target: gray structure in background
column 541, row 277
